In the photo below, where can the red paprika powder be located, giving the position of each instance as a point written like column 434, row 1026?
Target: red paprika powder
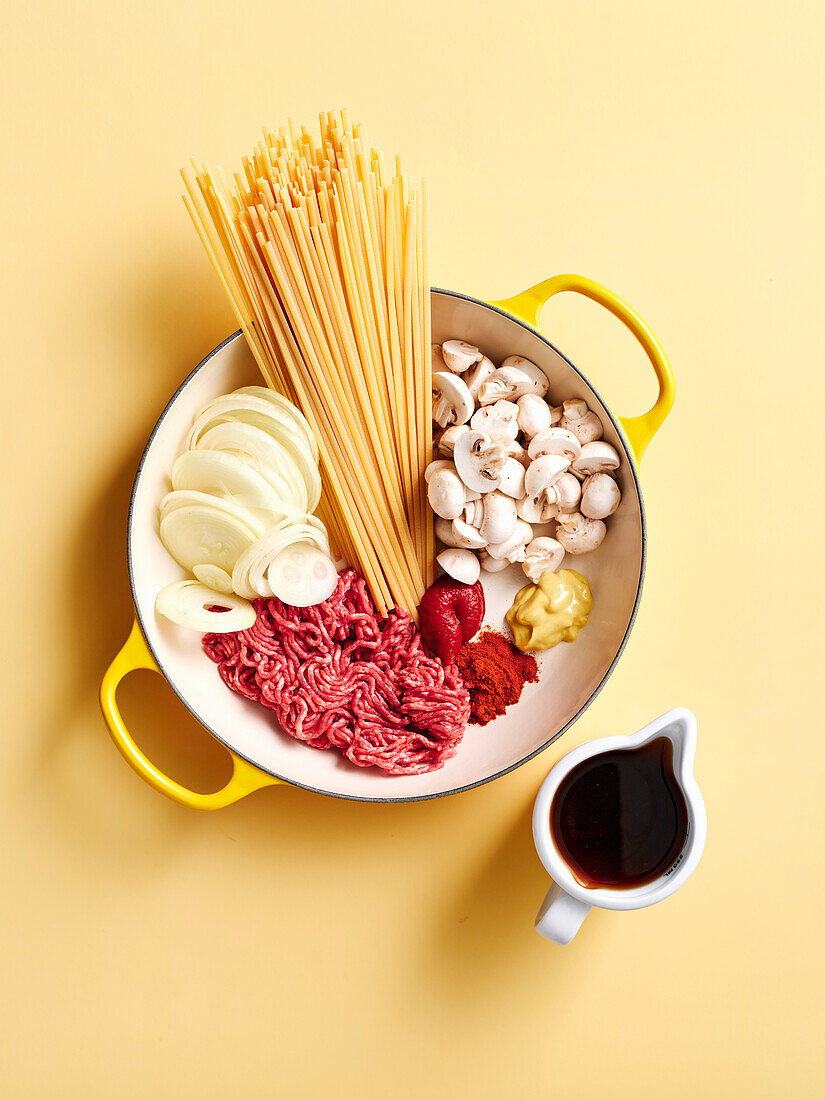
column 494, row 672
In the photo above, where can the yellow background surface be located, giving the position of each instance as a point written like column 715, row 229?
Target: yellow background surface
column 298, row 946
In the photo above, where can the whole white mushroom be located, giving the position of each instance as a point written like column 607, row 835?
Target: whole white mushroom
column 533, row 415
column 512, row 549
column 445, row 493
column 600, row 496
column 498, row 517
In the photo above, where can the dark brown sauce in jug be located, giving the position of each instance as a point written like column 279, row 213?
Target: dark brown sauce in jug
column 619, row 819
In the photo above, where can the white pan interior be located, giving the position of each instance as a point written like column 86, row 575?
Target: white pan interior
column 570, row 674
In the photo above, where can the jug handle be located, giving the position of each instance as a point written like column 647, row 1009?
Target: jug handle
column 245, row 777
column 528, row 305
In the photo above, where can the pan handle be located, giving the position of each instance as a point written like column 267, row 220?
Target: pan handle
column 245, row 777
column 528, row 306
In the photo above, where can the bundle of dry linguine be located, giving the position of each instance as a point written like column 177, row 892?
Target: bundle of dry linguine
column 323, row 255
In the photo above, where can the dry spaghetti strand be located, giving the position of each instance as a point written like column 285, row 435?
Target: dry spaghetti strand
column 324, row 259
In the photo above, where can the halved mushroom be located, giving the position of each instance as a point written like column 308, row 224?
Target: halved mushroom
column 542, row 555
column 566, row 492
column 600, row 496
column 452, row 401
column 512, row 549
column 461, row 565
column 445, row 492
column 479, row 461
column 478, row 375
column 498, row 517
column 539, row 380
column 555, row 441
column 583, row 423
column 499, row 420
column 473, row 511
column 511, row 479
column 506, row 384
column 537, row 509
column 596, row 458
column 579, row 535
column 492, row 565
column 459, row 355
column 466, row 537
column 533, row 414
column 437, row 358
column 542, row 472
column 458, row 533
column 449, row 437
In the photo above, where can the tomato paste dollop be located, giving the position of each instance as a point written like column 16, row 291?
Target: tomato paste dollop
column 450, row 614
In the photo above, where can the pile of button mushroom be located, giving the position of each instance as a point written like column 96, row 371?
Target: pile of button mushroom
column 507, row 460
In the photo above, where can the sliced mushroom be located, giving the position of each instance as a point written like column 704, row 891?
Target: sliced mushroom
column 445, row 492
column 537, row 509
column 566, row 492
column 542, row 555
column 466, row 537
column 478, row 375
column 600, row 496
column 461, row 565
column 538, row 378
column 445, row 532
column 596, row 458
column 452, row 401
column 533, row 414
column 555, row 441
column 579, row 535
column 507, row 384
column 583, row 423
column 473, row 511
column 492, row 565
column 499, row 420
column 479, row 461
column 512, row 549
column 542, row 472
column 437, row 358
column 449, row 437
column 459, row 355
column 511, row 479
column 498, row 518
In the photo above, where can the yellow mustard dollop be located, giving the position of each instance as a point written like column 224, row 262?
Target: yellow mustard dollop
column 552, row 611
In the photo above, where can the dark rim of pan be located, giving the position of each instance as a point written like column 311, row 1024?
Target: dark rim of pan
column 479, row 782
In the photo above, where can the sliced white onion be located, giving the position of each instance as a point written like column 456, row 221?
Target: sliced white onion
column 192, row 498
column 249, row 573
column 284, row 414
column 213, row 577
column 221, row 474
column 206, row 534
column 264, row 453
column 267, row 417
column 187, row 603
column 291, row 445
column 278, row 399
column 302, row 575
